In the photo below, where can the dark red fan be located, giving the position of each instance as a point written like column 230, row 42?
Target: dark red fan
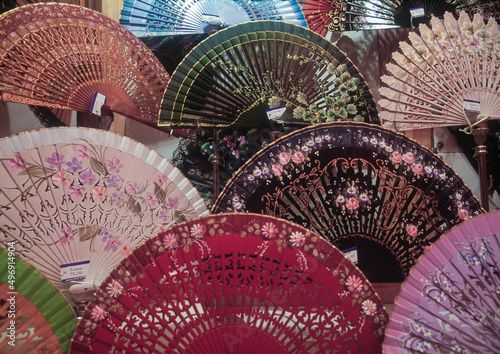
column 367, row 189
column 234, row 283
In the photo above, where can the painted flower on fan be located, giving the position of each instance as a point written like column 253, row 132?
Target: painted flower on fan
column 87, row 177
column 56, row 161
column 151, row 200
column 352, row 204
column 198, row 231
column 164, row 215
column 409, row 157
column 105, row 233
column 298, row 112
column 396, row 157
column 284, row 157
column 114, row 165
column 269, row 230
column 340, row 199
column 66, row 235
column 423, row 346
column 114, row 288
column 126, row 250
column 170, row 241
column 274, row 102
column 297, row 239
column 83, row 153
column 364, row 197
column 257, row 172
column 62, row 177
column 352, row 190
column 369, row 307
column 17, row 163
column 113, row 182
column 302, row 98
column 160, row 179
column 133, row 188
column 99, row 192
column 458, row 348
column 277, row 169
column 74, row 165
column 112, row 243
column 266, row 171
column 172, row 203
column 76, row 192
column 463, row 214
column 417, row 168
column 354, row 283
column 118, row 199
column 99, row 313
column 411, row 230
column 298, row 157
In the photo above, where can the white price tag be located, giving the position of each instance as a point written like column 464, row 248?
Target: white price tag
column 275, row 113
column 97, row 103
column 352, row 254
column 417, row 12
column 74, row 271
column 472, row 106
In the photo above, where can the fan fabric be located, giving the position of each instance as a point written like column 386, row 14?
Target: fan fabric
column 44, row 320
column 358, row 185
column 324, row 16
column 237, row 75
column 77, row 200
column 450, row 301
column 433, row 77
column 59, row 56
column 146, row 18
column 234, row 283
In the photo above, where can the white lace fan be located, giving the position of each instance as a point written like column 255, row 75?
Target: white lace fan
column 447, row 76
column 76, row 201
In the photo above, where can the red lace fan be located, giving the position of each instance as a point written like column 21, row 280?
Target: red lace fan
column 358, row 185
column 66, row 56
column 451, row 299
column 228, row 283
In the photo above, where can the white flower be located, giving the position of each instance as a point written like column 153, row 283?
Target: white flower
column 369, row 307
column 297, row 239
column 198, row 231
column 114, row 289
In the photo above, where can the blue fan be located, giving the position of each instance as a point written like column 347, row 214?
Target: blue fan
column 147, row 18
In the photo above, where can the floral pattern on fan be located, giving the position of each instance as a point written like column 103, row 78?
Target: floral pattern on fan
column 473, row 306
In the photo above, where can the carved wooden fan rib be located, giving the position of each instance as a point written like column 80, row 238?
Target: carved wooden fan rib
column 60, row 56
column 146, row 18
column 77, row 201
column 357, row 185
column 237, row 74
column 241, row 283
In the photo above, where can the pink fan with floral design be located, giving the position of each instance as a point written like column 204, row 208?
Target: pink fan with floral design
column 233, row 283
column 78, row 200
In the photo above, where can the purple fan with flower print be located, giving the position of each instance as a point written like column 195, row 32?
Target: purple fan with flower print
column 450, row 302
column 369, row 190
column 76, row 201
column 233, row 283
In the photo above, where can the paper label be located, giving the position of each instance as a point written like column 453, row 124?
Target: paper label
column 97, row 103
column 417, row 12
column 352, row 254
column 209, row 18
column 275, row 113
column 74, row 271
column 472, row 106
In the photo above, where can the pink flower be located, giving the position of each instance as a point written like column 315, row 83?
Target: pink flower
column 463, row 214
column 99, row 192
column 76, row 192
column 98, row 313
column 277, row 169
column 66, row 235
column 409, row 157
column 284, row 158
column 298, row 157
column 198, row 231
column 170, row 241
column 126, row 250
column 297, row 239
column 133, row 188
column 354, row 283
column 160, row 179
column 114, row 289
column 411, row 230
column 17, row 163
column 269, row 230
column 396, row 157
column 62, row 177
column 417, row 168
column 83, row 153
column 369, row 307
column 151, row 200
column 352, row 204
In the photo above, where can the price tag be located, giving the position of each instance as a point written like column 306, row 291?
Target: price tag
column 74, row 271
column 97, row 103
column 207, row 18
column 275, row 113
column 472, row 106
column 417, row 12
column 352, row 254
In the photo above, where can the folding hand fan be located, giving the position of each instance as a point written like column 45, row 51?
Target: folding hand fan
column 241, row 75
column 324, row 16
column 34, row 315
column 234, row 283
column 486, row 9
column 68, row 57
column 450, row 301
column 359, row 186
column 446, row 72
column 78, row 200
column 147, row 18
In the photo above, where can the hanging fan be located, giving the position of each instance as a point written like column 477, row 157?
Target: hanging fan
column 34, row 315
column 240, row 75
column 486, row 9
column 70, row 57
column 366, row 189
column 147, row 18
column 446, row 72
column 234, row 283
column 78, row 200
column 450, row 301
column 324, row 16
